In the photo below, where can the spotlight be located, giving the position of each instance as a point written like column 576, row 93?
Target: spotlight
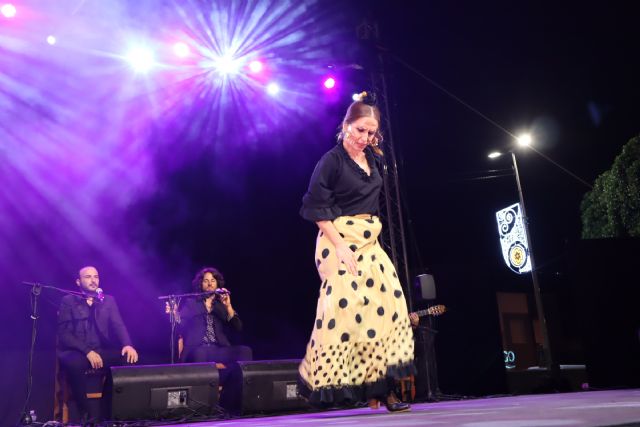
column 181, row 49
column 255, row 66
column 227, row 65
column 141, row 59
column 51, row 40
column 273, row 89
column 330, row 83
column 8, row 10
column 355, row 97
column 524, row 139
column 494, row 155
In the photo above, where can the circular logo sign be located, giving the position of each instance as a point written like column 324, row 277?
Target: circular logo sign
column 517, row 255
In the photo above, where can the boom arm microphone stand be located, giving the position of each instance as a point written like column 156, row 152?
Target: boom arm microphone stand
column 27, row 418
column 173, row 301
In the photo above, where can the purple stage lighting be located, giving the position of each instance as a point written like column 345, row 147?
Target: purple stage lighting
column 118, row 140
column 181, row 50
column 8, row 10
column 273, row 89
column 330, row 83
column 141, row 59
column 227, row 65
column 255, row 66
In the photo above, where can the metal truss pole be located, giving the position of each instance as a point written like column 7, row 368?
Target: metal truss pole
column 393, row 235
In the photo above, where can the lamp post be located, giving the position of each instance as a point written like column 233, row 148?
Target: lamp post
column 525, row 140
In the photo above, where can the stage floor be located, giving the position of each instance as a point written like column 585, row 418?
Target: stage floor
column 593, row 408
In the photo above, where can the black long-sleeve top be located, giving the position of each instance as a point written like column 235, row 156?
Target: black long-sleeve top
column 84, row 328
column 193, row 322
column 340, row 187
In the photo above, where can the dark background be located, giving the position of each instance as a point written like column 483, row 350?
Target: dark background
column 568, row 73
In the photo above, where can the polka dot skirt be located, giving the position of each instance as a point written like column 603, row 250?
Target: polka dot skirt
column 361, row 335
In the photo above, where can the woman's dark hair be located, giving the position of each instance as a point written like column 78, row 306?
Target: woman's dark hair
column 359, row 109
column 196, row 284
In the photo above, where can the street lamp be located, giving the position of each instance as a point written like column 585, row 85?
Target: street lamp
column 525, row 140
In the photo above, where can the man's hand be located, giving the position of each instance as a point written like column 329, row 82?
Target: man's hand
column 414, row 319
column 132, row 354
column 225, row 299
column 95, row 360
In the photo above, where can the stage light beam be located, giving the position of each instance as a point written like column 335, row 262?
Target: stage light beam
column 273, row 89
column 181, row 50
column 141, row 59
column 51, row 40
column 255, row 66
column 8, row 10
column 330, row 83
column 494, row 155
column 227, row 65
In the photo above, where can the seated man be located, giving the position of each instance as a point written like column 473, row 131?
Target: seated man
column 91, row 334
column 202, row 327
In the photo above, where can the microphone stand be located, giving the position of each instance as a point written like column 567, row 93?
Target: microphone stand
column 173, row 301
column 27, row 418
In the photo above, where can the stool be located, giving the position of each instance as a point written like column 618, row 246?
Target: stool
column 408, row 388
column 62, row 395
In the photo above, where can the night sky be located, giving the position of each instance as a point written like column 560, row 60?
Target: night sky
column 151, row 189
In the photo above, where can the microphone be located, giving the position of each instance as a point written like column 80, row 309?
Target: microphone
column 222, row 291
column 100, row 294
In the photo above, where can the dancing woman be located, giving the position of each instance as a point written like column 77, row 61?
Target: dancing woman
column 362, row 339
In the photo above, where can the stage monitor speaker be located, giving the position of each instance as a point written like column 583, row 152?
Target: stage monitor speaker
column 271, row 386
column 164, row 391
column 425, row 287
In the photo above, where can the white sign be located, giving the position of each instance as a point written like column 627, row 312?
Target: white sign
column 513, row 239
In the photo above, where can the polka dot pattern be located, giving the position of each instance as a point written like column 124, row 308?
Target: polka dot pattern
column 367, row 332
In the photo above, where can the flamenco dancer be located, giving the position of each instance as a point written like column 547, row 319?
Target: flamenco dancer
column 362, row 340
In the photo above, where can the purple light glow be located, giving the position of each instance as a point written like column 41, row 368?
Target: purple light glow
column 273, row 89
column 227, row 65
column 8, row 10
column 255, row 66
column 141, row 59
column 181, row 50
column 330, row 83
column 87, row 145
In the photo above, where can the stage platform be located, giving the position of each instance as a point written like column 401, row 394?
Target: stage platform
column 592, row 408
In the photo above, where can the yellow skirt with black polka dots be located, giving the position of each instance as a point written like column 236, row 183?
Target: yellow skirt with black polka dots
column 361, row 338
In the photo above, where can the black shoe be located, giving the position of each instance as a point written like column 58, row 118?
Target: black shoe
column 397, row 406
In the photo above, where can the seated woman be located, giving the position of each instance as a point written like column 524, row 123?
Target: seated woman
column 202, row 327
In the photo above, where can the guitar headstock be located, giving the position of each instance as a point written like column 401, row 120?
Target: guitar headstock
column 436, row 310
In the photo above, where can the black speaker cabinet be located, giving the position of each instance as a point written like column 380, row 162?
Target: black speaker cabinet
column 163, row 391
column 271, row 386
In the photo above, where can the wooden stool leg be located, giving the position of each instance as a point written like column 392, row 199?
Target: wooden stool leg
column 373, row 403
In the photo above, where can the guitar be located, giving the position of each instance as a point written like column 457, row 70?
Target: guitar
column 435, row 310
